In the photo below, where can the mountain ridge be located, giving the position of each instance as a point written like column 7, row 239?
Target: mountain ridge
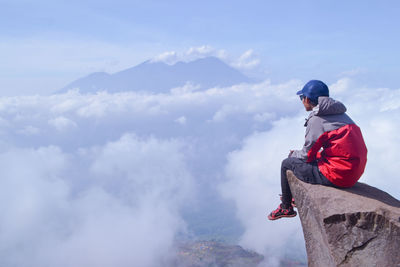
column 159, row 77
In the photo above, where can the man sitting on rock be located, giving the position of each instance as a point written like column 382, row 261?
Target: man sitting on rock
column 334, row 152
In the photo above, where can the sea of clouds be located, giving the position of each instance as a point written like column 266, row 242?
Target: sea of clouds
column 109, row 179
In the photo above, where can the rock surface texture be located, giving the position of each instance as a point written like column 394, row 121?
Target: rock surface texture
column 358, row 226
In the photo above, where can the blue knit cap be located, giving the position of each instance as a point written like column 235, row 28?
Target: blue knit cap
column 314, row 89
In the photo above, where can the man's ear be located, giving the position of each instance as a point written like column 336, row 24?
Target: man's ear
column 309, row 102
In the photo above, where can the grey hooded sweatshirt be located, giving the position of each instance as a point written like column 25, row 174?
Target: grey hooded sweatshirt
column 334, row 141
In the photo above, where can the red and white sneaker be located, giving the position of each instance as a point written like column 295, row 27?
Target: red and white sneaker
column 281, row 212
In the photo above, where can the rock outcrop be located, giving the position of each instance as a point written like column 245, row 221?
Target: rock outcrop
column 211, row 253
column 359, row 226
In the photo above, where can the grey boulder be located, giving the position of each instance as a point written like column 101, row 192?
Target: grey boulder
column 358, row 226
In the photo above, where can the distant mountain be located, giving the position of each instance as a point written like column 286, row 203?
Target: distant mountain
column 213, row 253
column 159, row 77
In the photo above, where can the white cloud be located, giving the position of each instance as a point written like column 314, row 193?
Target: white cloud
column 62, row 123
column 181, row 120
column 247, row 60
column 170, row 57
column 193, row 53
column 253, row 182
column 122, row 211
column 353, row 72
column 204, row 50
column 127, row 163
column 107, row 185
column 223, row 112
column 340, row 86
column 264, row 117
column 73, row 106
column 143, row 167
column 187, row 88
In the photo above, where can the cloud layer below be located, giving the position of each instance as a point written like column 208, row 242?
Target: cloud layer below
column 105, row 179
column 100, row 206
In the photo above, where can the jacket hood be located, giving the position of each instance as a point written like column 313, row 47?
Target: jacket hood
column 329, row 106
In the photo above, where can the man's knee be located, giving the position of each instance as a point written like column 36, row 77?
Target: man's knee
column 288, row 163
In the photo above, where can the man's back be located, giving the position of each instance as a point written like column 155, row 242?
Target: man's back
column 344, row 153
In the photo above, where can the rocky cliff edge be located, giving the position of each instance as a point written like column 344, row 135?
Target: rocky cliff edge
column 359, row 226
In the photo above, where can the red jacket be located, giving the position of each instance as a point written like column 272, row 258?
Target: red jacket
column 335, row 142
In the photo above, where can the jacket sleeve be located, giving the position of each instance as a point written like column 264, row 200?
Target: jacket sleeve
column 313, row 132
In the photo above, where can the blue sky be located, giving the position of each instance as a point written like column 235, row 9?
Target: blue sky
column 46, row 44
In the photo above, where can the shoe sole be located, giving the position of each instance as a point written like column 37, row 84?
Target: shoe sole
column 281, row 216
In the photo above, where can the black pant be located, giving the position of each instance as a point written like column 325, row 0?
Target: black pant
column 307, row 172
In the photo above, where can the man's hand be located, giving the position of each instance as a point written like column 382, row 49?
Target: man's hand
column 290, row 153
